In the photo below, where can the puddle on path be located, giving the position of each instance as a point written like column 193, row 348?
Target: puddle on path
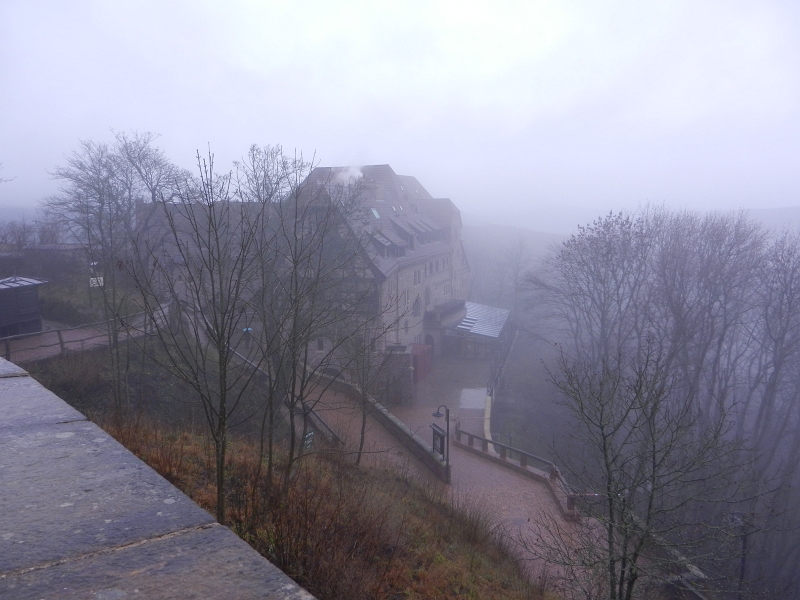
column 474, row 398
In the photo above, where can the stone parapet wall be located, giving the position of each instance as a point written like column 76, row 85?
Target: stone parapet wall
column 81, row 517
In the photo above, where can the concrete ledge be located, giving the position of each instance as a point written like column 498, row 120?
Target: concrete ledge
column 207, row 562
column 8, row 369
column 80, row 516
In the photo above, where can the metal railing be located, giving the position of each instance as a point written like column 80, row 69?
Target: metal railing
column 531, row 465
column 506, row 452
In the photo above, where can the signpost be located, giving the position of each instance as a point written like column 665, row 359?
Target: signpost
column 441, row 437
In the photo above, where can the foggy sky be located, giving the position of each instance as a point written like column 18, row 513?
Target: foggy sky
column 542, row 114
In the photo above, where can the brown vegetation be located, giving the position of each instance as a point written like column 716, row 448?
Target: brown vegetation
column 340, row 530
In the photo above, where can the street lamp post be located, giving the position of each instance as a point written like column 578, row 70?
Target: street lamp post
column 438, row 414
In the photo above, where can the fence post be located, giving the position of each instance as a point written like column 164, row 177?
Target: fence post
column 8, row 351
column 60, row 341
column 523, row 460
column 503, row 452
column 485, row 445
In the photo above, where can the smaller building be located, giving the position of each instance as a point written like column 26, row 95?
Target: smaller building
column 20, row 309
column 478, row 331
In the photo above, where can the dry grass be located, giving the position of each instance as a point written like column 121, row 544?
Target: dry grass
column 339, row 530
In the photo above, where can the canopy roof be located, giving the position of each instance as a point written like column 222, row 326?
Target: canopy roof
column 15, row 282
column 483, row 320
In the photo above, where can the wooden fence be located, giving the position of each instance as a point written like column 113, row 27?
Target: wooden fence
column 30, row 347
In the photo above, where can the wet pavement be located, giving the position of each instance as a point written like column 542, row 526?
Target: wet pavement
column 513, row 502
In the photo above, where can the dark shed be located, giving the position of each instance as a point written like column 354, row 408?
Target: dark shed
column 20, row 310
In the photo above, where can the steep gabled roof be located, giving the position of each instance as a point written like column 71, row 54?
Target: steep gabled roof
column 398, row 212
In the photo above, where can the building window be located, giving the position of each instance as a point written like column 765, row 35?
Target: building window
column 320, row 344
column 405, row 326
column 415, row 310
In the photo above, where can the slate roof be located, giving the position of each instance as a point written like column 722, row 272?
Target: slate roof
column 398, row 212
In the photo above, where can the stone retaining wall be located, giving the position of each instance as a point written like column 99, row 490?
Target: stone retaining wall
column 411, row 441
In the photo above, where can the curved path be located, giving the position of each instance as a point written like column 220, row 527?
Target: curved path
column 513, row 503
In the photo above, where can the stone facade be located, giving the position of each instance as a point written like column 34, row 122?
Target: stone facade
column 414, row 245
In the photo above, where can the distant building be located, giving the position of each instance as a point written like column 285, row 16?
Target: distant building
column 409, row 266
column 482, row 331
column 414, row 245
column 20, row 311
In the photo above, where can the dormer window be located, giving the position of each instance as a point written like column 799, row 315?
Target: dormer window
column 375, row 212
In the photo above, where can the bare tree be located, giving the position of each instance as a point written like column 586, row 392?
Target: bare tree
column 16, row 234
column 97, row 206
column 712, row 300
column 650, row 467
column 596, row 287
column 317, row 307
column 325, row 287
column 366, row 365
column 3, row 180
column 242, row 276
column 194, row 273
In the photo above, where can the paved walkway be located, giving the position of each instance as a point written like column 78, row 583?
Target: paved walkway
column 56, row 338
column 515, row 503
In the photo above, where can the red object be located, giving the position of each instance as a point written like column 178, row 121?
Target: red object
column 421, row 360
